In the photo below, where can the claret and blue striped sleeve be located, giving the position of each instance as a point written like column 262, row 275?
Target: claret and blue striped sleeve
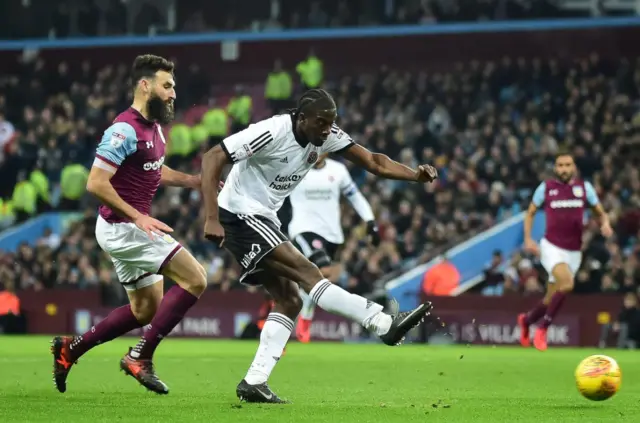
column 118, row 142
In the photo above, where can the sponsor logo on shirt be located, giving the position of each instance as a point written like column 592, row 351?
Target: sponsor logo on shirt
column 283, row 183
column 566, row 204
column 154, row 165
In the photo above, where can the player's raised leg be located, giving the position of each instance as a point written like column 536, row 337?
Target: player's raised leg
column 191, row 280
column 142, row 306
column 273, row 338
column 563, row 277
column 285, row 260
column 303, row 325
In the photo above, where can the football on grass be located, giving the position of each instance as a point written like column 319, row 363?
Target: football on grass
column 598, row 377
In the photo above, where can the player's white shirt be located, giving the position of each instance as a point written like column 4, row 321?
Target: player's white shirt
column 315, row 202
column 268, row 164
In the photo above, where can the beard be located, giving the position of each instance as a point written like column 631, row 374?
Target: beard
column 160, row 110
column 565, row 177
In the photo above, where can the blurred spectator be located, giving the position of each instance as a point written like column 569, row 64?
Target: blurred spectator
column 278, row 89
column 492, row 128
column 441, row 279
column 240, row 109
column 311, row 71
column 532, row 286
column 626, row 326
column 494, row 278
column 216, row 123
column 66, row 18
column 49, row 239
column 519, row 270
column 11, row 321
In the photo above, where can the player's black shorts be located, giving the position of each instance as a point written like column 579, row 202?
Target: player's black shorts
column 249, row 238
column 317, row 249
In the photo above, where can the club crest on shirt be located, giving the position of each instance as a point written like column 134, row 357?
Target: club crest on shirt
column 578, row 191
column 313, row 156
column 117, row 139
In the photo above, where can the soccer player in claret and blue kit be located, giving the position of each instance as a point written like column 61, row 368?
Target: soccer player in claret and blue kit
column 564, row 200
column 127, row 170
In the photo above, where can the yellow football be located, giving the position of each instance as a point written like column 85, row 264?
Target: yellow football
column 598, row 377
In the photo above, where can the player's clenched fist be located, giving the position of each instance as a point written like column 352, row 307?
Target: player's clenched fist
column 213, row 231
column 531, row 246
column 427, row 173
column 152, row 226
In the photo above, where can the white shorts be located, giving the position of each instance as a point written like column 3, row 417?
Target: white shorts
column 137, row 259
column 550, row 256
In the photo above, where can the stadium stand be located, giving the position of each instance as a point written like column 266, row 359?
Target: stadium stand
column 492, row 129
column 71, row 18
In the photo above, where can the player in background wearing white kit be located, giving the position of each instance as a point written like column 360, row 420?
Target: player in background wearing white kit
column 316, row 228
column 269, row 159
column 564, row 200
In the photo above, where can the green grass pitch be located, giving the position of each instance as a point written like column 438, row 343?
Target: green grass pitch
column 326, row 382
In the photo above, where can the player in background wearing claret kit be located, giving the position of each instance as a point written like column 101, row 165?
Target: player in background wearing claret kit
column 316, row 228
column 269, row 159
column 125, row 176
column 564, row 200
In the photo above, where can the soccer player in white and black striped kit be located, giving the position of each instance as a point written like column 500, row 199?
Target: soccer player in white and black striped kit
column 269, row 159
column 315, row 227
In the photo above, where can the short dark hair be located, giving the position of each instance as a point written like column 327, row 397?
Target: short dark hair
column 563, row 152
column 146, row 66
column 315, row 99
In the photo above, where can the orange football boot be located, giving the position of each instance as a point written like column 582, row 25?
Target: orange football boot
column 524, row 330
column 303, row 330
column 540, row 339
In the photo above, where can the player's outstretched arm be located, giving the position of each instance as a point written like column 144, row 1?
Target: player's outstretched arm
column 173, row 178
column 536, row 202
column 213, row 162
column 529, row 244
column 381, row 165
column 596, row 206
column 603, row 217
column 361, row 206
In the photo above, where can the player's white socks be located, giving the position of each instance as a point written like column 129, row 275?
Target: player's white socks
column 275, row 334
column 336, row 300
column 308, row 306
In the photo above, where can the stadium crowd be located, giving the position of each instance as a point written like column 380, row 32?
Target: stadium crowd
column 491, row 128
column 23, row 19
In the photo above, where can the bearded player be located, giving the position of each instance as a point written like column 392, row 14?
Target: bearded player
column 125, row 176
column 315, row 227
column 564, row 200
